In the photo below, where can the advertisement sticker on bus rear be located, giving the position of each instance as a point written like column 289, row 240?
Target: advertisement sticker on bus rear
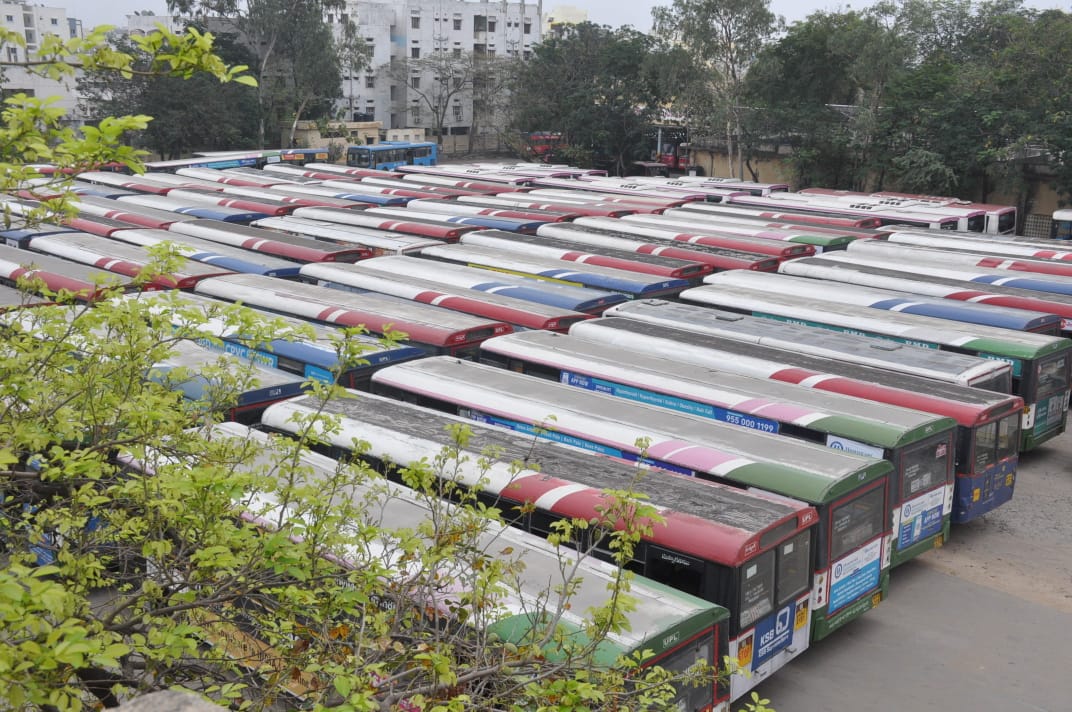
column 921, row 518
column 855, row 575
column 773, row 633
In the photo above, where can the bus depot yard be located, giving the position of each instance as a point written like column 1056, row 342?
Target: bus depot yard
column 735, row 337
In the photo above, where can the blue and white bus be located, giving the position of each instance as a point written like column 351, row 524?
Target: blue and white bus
column 387, row 155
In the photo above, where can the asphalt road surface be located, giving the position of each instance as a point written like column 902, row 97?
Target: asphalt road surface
column 982, row 625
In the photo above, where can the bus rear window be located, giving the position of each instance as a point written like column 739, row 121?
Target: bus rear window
column 1001, row 383
column 794, row 567
column 857, row 522
column 690, row 697
column 1052, row 376
column 1009, row 436
column 757, row 588
column 924, row 467
column 986, row 438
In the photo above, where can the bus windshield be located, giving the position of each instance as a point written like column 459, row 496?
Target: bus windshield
column 925, row 466
column 757, row 589
column 359, row 157
column 690, row 697
column 996, row 441
column 855, row 522
column 1000, row 382
column 1052, row 375
column 794, row 567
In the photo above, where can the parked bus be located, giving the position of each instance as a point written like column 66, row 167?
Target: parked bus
column 479, row 222
column 376, row 242
column 747, row 551
column 234, row 259
column 848, row 491
column 122, row 258
column 388, row 155
column 456, row 207
column 718, row 258
column 1003, row 254
column 192, row 208
column 293, row 351
column 831, row 223
column 892, row 301
column 191, row 369
column 12, row 298
column 409, row 226
column 1000, row 219
column 634, row 285
column 920, row 446
column 904, row 277
column 1052, row 281
column 436, row 330
column 796, row 203
column 567, row 210
column 696, row 223
column 270, row 242
column 871, row 352
column 675, row 630
column 701, row 236
column 516, row 312
column 988, row 433
column 36, row 271
column 327, row 171
column 130, row 213
column 554, row 248
column 1040, row 364
column 561, row 296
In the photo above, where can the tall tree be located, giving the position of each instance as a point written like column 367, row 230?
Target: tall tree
column 284, row 35
column 722, row 39
column 595, row 86
column 226, row 116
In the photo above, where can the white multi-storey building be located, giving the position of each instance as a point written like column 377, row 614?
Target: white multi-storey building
column 413, row 43
column 35, row 22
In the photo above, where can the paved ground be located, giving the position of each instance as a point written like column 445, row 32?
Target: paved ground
column 984, row 624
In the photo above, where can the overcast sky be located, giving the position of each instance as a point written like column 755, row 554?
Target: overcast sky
column 605, row 12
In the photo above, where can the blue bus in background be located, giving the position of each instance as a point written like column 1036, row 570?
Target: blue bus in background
column 386, row 155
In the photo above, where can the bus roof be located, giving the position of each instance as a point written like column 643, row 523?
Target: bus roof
column 608, row 256
column 422, row 323
column 705, row 519
column 122, row 258
column 56, row 274
column 804, row 471
column 518, row 312
column 563, row 296
column 376, row 242
column 868, row 351
column 968, row 406
column 606, row 278
column 291, row 247
column 234, row 259
column 907, row 328
column 592, row 364
column 701, row 236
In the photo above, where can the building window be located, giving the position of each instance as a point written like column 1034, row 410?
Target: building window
column 528, row 27
column 457, row 51
column 370, row 81
column 457, row 23
column 415, row 53
column 9, row 18
column 491, row 52
column 331, row 19
column 480, row 23
column 457, row 112
column 526, row 55
column 415, row 112
column 31, row 37
column 415, row 22
column 491, row 25
column 457, row 82
column 12, row 54
column 415, row 82
column 55, row 21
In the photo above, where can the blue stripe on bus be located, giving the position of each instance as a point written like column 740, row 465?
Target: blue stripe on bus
column 963, row 313
column 228, row 215
column 549, row 297
column 1038, row 285
column 613, row 283
column 663, row 400
column 237, row 264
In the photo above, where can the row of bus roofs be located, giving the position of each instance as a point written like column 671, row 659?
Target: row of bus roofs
column 899, row 531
